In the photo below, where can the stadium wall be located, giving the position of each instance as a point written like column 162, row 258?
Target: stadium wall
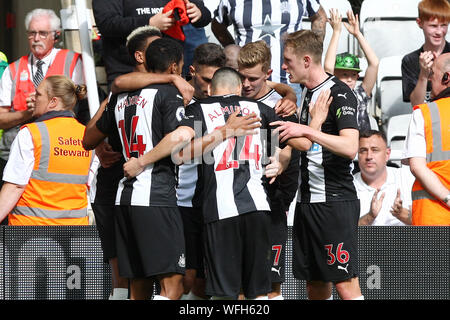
column 66, row 263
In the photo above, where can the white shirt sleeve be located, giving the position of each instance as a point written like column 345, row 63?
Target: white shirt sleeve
column 21, row 159
column 415, row 144
column 5, row 88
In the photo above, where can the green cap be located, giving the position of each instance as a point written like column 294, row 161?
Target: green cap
column 347, row 61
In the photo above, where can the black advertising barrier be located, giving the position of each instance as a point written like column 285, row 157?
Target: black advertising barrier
column 66, row 263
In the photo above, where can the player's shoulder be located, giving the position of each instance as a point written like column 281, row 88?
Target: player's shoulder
column 164, row 88
column 340, row 90
column 338, row 86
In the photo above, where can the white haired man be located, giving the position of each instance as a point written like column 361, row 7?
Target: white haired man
column 19, row 80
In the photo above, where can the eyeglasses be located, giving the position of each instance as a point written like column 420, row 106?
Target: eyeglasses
column 42, row 34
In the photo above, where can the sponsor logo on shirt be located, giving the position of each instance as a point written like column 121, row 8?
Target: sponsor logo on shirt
column 141, row 11
column 345, row 110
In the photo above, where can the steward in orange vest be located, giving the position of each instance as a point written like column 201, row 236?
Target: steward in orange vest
column 426, row 209
column 22, row 82
column 56, row 193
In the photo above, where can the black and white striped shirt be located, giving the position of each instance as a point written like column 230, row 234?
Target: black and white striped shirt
column 189, row 187
column 233, row 171
column 282, row 191
column 325, row 176
column 266, row 20
column 142, row 118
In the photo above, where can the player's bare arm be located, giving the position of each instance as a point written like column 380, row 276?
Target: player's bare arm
column 221, row 33
column 136, row 80
column 92, row 135
column 235, row 126
column 293, row 133
column 177, row 143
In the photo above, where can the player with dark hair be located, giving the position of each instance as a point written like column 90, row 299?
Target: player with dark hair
column 236, row 230
column 150, row 242
column 208, row 57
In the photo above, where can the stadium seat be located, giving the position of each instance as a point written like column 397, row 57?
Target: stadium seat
column 389, row 90
column 390, row 26
column 397, row 129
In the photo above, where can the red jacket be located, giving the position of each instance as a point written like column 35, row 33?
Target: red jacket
column 181, row 18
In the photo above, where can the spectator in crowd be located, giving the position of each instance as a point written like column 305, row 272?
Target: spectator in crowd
column 434, row 16
column 384, row 192
column 427, row 150
column 345, row 66
column 22, row 77
column 47, row 172
column 254, row 66
column 116, row 19
column 149, row 218
column 274, row 19
column 327, row 210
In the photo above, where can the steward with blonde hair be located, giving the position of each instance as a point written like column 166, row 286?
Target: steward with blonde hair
column 47, row 171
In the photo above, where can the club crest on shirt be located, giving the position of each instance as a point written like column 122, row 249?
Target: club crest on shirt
column 180, row 114
column 304, row 115
column 182, row 261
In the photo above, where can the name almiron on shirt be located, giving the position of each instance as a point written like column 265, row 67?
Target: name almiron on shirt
column 231, row 149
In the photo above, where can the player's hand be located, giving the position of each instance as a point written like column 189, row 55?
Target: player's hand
column 376, row 204
column 238, row 125
column 162, row 21
column 274, row 168
column 186, row 90
column 192, row 11
column 285, row 107
column 319, row 109
column 106, row 155
column 132, row 168
column 288, row 130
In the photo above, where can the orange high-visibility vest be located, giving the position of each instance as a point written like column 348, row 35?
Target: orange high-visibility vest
column 22, row 82
column 426, row 209
column 56, row 193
